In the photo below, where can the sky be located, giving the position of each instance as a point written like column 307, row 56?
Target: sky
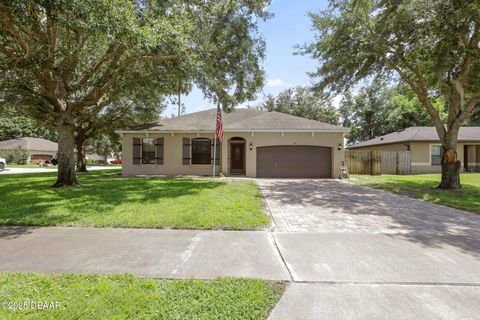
column 289, row 26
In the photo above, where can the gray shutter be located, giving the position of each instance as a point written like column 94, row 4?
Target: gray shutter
column 217, row 153
column 186, row 151
column 137, row 149
column 159, row 151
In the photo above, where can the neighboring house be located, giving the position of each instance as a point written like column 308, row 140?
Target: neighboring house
column 39, row 150
column 94, row 157
column 425, row 148
column 257, row 144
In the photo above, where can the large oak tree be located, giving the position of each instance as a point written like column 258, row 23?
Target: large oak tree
column 70, row 59
column 431, row 45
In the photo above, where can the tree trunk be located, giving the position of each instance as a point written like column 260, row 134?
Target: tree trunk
column 66, row 152
column 81, row 156
column 450, row 176
column 450, row 165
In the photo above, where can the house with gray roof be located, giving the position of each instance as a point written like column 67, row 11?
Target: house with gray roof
column 425, row 147
column 39, row 150
column 257, row 143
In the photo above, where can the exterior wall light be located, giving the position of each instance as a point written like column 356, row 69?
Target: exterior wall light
column 250, row 146
column 339, row 147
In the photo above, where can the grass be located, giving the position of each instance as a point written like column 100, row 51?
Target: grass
column 128, row 297
column 423, row 187
column 106, row 200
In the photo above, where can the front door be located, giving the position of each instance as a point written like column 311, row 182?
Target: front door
column 237, row 158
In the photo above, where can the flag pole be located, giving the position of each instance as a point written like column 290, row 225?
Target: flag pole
column 215, row 144
column 214, row 153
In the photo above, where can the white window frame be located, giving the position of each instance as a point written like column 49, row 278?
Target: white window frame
column 430, row 153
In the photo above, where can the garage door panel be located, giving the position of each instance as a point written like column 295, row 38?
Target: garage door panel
column 294, row 162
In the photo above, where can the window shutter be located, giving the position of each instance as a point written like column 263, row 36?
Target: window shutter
column 186, row 151
column 217, row 152
column 137, row 149
column 159, row 151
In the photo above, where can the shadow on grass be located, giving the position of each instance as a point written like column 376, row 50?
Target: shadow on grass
column 426, row 223
column 25, row 199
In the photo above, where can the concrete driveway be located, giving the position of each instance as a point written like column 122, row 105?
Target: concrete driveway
column 358, row 253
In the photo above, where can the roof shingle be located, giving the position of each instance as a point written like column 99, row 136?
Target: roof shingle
column 467, row 134
column 242, row 119
column 28, row 143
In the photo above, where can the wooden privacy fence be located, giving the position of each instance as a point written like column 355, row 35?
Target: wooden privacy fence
column 375, row 162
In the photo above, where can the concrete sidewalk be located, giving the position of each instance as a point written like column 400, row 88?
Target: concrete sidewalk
column 354, row 275
column 338, row 275
column 142, row 252
column 305, row 301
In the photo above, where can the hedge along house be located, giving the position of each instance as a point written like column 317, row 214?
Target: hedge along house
column 425, row 147
column 257, row 144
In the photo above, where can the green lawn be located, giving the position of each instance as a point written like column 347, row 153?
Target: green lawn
column 106, row 200
column 423, row 187
column 128, row 297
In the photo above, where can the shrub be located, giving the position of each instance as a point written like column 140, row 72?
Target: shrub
column 17, row 155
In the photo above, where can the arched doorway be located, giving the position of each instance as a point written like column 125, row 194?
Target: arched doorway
column 237, row 156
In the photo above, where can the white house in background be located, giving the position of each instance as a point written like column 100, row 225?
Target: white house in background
column 97, row 158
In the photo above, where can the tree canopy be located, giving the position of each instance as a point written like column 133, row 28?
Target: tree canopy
column 302, row 102
column 16, row 125
column 67, row 60
column 431, row 45
column 378, row 109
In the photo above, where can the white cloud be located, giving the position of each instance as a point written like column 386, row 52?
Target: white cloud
column 276, row 83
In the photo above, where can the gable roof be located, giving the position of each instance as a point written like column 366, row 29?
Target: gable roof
column 242, row 119
column 28, row 143
column 419, row 134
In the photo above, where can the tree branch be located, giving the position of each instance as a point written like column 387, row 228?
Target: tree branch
column 112, row 52
column 469, row 107
column 133, row 59
column 6, row 21
column 422, row 95
column 52, row 29
column 70, row 60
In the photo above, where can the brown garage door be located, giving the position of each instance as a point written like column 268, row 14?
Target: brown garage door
column 294, row 162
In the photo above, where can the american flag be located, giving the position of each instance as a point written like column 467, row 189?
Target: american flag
column 219, row 127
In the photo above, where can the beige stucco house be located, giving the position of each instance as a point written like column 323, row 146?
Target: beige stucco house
column 257, row 144
column 425, row 148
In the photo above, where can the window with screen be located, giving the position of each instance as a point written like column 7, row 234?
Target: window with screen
column 436, row 155
column 148, row 151
column 201, row 151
